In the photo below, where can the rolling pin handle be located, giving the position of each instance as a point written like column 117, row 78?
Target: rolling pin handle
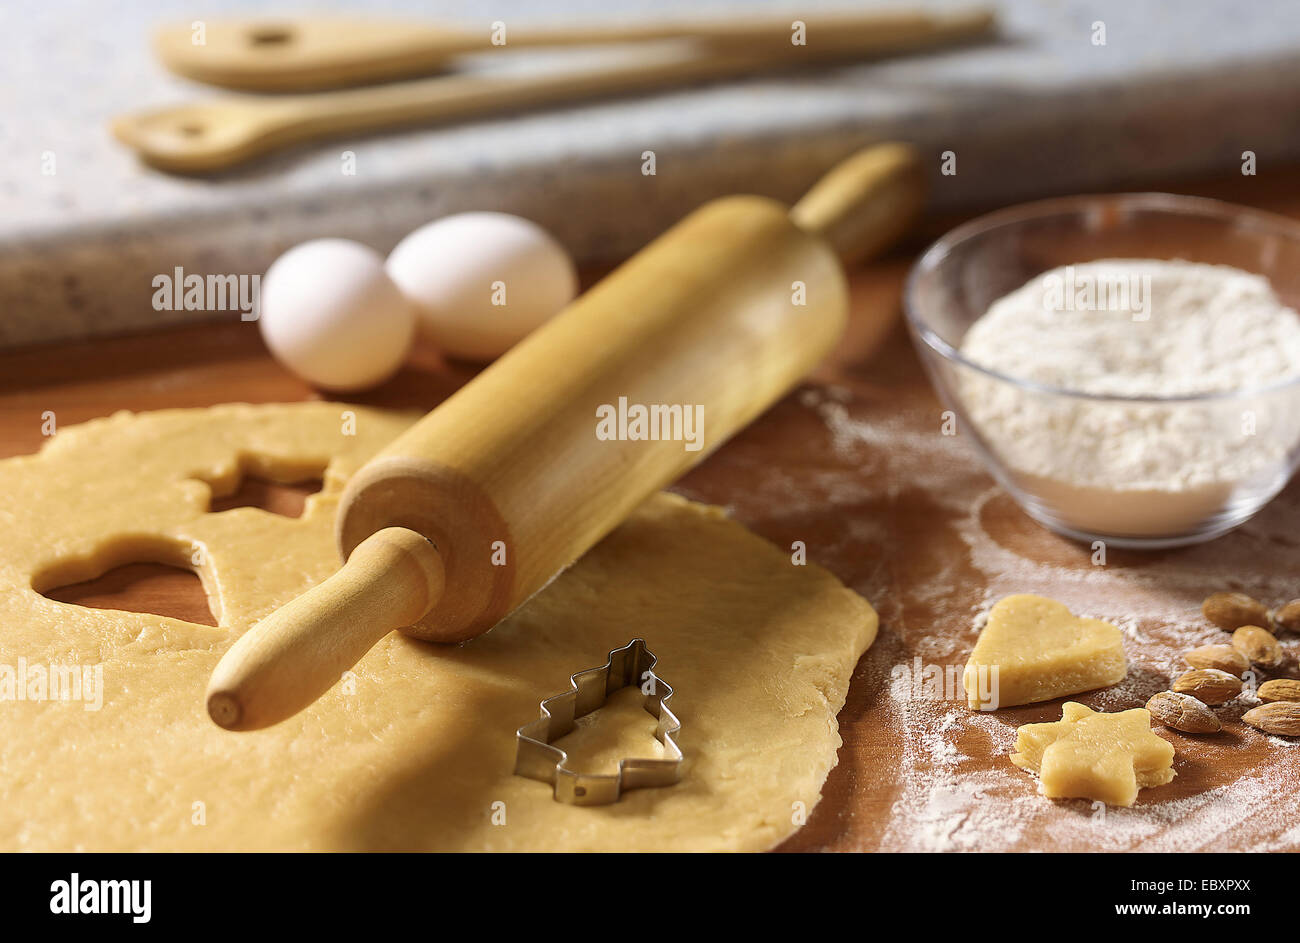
column 866, row 202
column 297, row 653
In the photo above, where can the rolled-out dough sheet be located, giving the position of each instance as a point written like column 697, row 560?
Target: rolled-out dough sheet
column 416, row 750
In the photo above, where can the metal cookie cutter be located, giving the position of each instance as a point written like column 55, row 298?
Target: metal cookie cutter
column 537, row 758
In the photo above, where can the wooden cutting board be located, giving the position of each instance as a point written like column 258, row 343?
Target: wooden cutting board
column 854, row 465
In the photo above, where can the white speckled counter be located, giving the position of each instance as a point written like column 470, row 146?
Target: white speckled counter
column 1181, row 86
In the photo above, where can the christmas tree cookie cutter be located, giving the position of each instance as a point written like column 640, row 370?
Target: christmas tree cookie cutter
column 536, row 756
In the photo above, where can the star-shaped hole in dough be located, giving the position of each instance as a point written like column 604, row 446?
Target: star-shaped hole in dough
column 1091, row 755
column 274, row 484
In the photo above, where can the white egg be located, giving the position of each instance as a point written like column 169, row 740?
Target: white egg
column 331, row 314
column 482, row 281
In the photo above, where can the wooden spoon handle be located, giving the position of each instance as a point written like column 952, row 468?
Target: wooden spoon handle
column 314, row 53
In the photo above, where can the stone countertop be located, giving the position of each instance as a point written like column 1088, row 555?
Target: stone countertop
column 1180, row 87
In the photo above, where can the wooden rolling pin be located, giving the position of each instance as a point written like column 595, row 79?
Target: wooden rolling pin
column 484, row 500
column 324, row 52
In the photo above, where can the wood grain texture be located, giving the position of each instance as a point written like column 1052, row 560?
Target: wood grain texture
column 863, row 510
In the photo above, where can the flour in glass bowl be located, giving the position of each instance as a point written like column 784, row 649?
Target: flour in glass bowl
column 1137, row 328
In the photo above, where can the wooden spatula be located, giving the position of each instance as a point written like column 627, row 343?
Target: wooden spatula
column 304, row 54
column 219, row 133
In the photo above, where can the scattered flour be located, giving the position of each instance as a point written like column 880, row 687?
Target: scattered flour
column 1138, row 328
column 888, row 475
column 953, row 801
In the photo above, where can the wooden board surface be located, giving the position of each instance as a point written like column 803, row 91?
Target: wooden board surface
column 853, row 465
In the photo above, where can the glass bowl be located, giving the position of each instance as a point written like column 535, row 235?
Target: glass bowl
column 1215, row 458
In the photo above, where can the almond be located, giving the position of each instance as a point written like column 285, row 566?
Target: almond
column 1288, row 617
column 1224, row 657
column 1279, row 689
column 1259, row 645
column 1232, row 610
column 1282, row 718
column 1183, row 712
column 1209, row 685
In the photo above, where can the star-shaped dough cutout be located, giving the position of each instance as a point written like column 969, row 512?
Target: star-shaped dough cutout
column 1034, row 649
column 1091, row 755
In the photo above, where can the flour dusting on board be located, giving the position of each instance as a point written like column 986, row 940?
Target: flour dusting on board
column 954, row 786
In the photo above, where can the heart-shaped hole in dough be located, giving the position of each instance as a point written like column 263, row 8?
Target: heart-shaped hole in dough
column 135, row 574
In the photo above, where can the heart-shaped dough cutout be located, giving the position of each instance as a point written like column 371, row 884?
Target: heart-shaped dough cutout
column 1033, row 649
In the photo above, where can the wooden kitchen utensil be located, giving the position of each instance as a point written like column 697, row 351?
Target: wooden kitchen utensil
column 219, row 133
column 484, row 500
column 306, row 54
